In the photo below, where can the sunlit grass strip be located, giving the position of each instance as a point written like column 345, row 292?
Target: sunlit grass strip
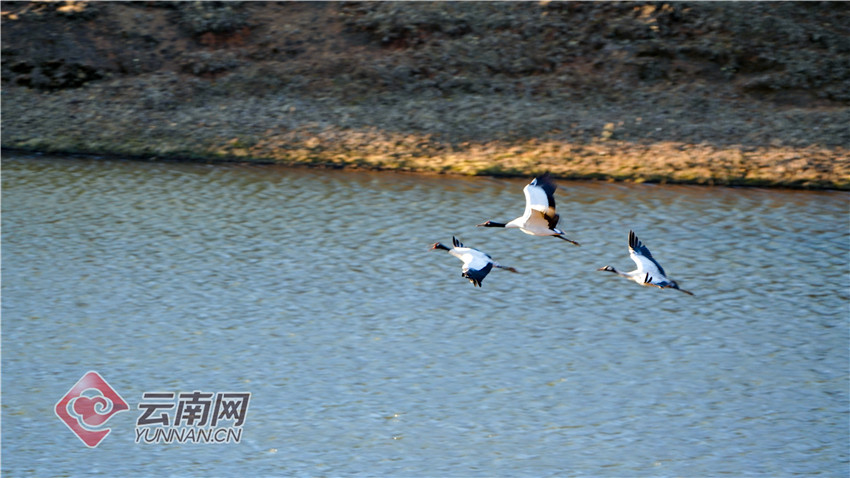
column 606, row 159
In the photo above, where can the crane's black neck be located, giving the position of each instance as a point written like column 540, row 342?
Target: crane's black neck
column 494, row 224
column 441, row 246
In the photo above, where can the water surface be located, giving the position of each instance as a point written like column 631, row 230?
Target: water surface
column 368, row 354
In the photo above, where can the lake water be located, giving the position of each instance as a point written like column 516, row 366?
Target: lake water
column 366, row 353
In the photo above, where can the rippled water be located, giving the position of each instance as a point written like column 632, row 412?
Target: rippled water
column 366, row 353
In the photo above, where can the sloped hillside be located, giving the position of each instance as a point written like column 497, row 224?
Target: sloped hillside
column 708, row 92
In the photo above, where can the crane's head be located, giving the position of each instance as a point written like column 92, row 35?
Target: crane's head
column 438, row 245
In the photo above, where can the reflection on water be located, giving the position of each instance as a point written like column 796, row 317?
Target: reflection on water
column 367, row 353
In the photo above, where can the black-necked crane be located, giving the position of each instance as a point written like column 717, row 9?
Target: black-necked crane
column 649, row 272
column 476, row 264
column 539, row 218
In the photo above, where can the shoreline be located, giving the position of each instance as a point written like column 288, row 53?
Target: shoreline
column 672, row 93
column 309, row 159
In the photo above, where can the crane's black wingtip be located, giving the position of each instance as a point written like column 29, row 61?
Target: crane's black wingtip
column 546, row 182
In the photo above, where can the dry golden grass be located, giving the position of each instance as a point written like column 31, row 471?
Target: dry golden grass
column 808, row 167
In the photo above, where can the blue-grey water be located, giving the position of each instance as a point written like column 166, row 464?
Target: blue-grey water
column 368, row 354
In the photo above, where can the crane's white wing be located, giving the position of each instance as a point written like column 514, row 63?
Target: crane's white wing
column 540, row 197
column 643, row 259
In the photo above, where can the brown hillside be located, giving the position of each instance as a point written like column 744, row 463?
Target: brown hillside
column 714, row 92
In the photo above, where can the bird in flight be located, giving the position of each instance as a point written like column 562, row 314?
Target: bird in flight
column 539, row 218
column 476, row 264
column 649, row 272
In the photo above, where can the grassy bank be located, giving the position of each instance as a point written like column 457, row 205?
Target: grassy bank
column 87, row 121
column 680, row 93
column 808, row 168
